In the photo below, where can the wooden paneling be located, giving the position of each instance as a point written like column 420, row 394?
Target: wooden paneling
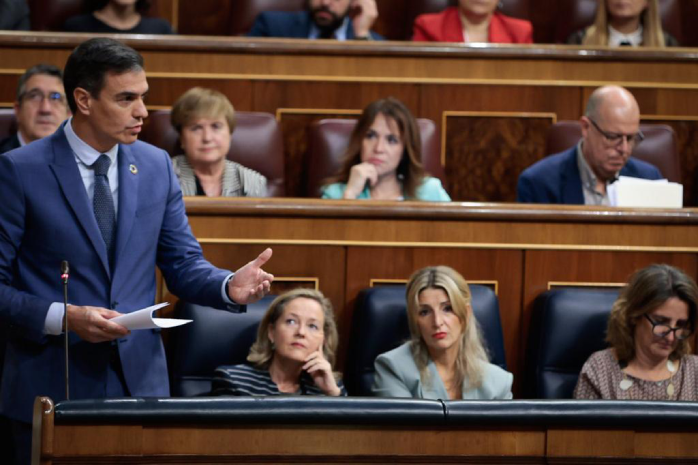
column 486, row 152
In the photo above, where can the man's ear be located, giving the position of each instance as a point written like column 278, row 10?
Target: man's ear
column 83, row 100
column 585, row 125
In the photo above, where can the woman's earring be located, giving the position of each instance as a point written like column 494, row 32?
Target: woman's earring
column 273, row 346
column 500, row 5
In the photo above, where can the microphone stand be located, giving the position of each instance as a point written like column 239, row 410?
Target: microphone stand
column 65, row 274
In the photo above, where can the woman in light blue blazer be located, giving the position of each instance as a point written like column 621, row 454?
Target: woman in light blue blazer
column 445, row 358
column 383, row 159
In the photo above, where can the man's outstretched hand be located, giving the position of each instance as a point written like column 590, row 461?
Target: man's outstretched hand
column 251, row 282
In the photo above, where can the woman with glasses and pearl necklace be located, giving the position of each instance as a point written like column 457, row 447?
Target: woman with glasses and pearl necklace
column 648, row 330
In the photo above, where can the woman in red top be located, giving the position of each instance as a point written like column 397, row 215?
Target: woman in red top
column 472, row 21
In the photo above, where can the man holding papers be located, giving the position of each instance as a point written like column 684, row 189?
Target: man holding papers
column 582, row 174
column 94, row 196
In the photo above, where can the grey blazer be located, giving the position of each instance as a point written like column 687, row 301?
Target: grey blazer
column 397, row 375
column 238, row 181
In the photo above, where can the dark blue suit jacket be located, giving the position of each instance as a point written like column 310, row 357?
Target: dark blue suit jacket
column 46, row 217
column 556, row 179
column 290, row 24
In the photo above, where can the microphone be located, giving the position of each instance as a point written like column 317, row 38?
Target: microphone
column 65, row 274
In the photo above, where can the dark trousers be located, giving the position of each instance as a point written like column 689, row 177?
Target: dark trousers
column 22, row 432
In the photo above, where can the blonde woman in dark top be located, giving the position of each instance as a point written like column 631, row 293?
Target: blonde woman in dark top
column 648, row 331
column 625, row 22
column 294, row 352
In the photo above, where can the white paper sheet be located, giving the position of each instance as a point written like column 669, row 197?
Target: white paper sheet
column 635, row 192
column 143, row 319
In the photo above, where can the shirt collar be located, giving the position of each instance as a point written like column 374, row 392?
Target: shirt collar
column 21, row 140
column 585, row 172
column 615, row 38
column 82, row 150
column 340, row 33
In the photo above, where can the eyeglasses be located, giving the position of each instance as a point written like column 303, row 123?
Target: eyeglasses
column 662, row 330
column 37, row 97
column 614, row 139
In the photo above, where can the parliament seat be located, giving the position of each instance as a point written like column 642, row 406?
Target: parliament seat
column 256, row 143
column 567, row 326
column 329, row 138
column 8, row 122
column 214, row 338
column 573, row 15
column 380, row 324
column 659, row 147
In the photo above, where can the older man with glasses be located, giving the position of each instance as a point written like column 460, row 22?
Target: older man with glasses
column 40, row 106
column 581, row 174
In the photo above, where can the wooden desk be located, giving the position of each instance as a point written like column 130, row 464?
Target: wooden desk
column 326, row 430
column 520, row 250
column 493, row 104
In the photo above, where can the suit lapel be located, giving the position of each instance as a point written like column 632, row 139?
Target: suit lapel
column 571, row 180
column 128, row 199
column 68, row 176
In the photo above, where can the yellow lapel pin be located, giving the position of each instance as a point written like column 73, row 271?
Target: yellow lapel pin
column 133, row 169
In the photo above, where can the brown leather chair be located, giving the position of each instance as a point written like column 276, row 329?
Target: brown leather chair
column 256, row 144
column 573, row 15
column 659, row 147
column 8, row 123
column 50, row 15
column 329, row 139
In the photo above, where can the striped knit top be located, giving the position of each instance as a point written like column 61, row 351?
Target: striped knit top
column 246, row 380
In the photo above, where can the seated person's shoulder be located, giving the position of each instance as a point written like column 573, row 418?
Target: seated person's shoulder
column 642, row 169
column 155, row 26
column 274, row 23
column 497, row 382
column 432, row 190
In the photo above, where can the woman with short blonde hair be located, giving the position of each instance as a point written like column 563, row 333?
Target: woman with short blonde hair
column 205, row 121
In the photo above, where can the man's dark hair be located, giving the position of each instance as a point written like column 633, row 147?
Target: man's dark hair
column 92, row 60
column 142, row 6
column 40, row 69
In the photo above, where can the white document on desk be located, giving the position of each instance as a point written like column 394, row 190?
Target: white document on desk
column 645, row 193
column 143, row 319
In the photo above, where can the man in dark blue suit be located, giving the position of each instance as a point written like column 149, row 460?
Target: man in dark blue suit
column 322, row 19
column 581, row 174
column 91, row 194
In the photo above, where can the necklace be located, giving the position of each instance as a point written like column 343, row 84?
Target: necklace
column 626, row 383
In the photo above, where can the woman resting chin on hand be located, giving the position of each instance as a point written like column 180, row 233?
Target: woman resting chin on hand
column 383, row 159
column 294, row 352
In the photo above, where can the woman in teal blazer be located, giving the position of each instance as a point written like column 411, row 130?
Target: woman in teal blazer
column 445, row 358
column 383, row 159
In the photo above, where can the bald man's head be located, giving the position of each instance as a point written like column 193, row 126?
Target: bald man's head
column 610, row 129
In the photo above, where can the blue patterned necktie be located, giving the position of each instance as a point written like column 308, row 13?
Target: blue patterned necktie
column 103, row 203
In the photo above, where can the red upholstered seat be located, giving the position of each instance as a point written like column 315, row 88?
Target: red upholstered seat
column 659, row 147
column 256, row 144
column 329, row 138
